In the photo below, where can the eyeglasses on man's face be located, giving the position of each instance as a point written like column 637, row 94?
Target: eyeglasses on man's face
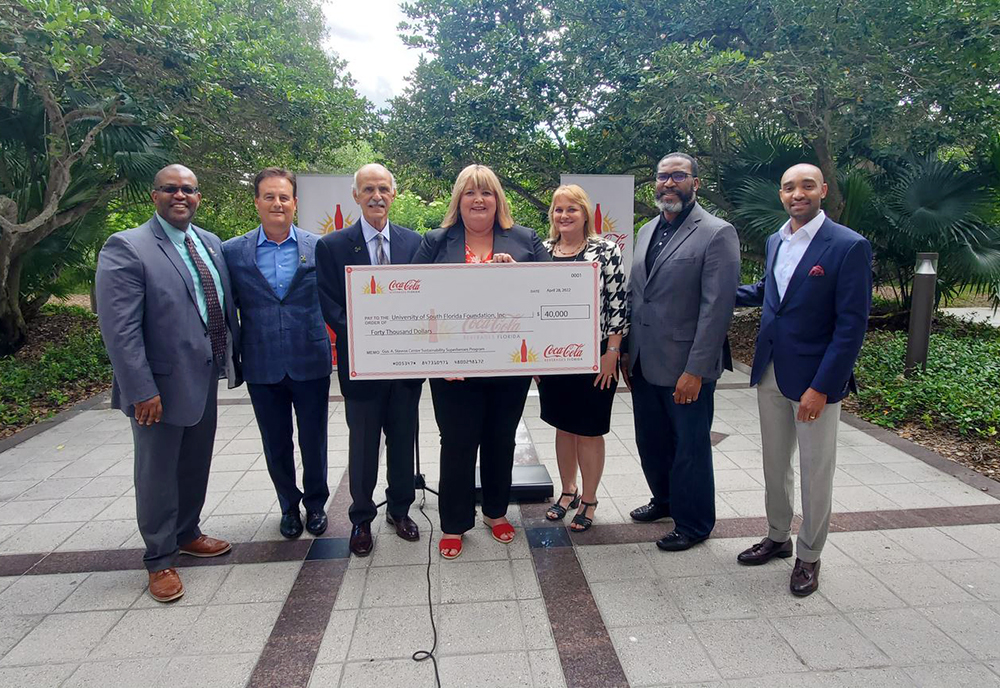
column 171, row 189
column 678, row 176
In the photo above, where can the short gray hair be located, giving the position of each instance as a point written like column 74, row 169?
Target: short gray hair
column 682, row 156
column 392, row 177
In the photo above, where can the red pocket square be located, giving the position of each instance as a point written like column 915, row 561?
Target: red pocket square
column 817, row 271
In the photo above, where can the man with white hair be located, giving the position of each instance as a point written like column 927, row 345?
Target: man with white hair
column 372, row 406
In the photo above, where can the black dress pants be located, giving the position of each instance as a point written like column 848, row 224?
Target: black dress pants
column 272, row 405
column 476, row 414
column 391, row 408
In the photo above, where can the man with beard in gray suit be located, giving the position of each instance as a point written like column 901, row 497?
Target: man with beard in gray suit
column 166, row 313
column 681, row 295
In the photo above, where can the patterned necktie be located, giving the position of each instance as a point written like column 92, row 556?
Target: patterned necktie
column 216, row 321
column 380, row 251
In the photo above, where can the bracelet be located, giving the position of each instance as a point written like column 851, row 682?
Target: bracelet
column 615, row 349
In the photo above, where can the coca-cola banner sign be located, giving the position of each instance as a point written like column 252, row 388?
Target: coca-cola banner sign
column 326, row 203
column 612, row 196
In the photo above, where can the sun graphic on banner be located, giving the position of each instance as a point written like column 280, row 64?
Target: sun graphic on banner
column 608, row 225
column 328, row 224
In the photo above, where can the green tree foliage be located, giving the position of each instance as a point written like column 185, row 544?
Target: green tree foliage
column 105, row 90
column 535, row 88
column 889, row 98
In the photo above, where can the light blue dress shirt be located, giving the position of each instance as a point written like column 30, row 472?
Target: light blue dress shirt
column 371, row 240
column 278, row 262
column 176, row 237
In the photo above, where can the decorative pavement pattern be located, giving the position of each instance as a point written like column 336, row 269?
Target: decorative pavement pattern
column 909, row 594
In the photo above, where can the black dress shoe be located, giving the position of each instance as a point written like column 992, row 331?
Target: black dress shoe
column 678, row 542
column 764, row 551
column 805, row 578
column 647, row 513
column 291, row 524
column 405, row 527
column 361, row 539
column 316, row 522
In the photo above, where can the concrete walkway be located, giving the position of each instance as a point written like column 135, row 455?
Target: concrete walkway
column 976, row 314
column 909, row 595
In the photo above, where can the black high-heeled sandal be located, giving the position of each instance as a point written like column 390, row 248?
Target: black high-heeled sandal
column 559, row 510
column 581, row 520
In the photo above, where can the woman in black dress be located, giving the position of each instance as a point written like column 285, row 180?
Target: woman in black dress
column 579, row 406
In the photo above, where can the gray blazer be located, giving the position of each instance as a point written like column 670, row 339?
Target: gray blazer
column 154, row 334
column 681, row 310
column 278, row 337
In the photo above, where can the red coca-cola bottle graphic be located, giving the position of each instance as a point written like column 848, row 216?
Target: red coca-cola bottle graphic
column 374, row 289
column 524, row 351
column 338, row 219
column 597, row 219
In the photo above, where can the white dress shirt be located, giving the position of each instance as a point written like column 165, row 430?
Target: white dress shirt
column 791, row 248
column 371, row 240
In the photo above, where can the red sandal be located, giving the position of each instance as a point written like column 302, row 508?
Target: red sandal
column 501, row 529
column 450, row 543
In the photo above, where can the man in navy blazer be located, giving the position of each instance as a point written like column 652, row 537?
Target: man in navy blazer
column 372, row 406
column 816, row 294
column 286, row 348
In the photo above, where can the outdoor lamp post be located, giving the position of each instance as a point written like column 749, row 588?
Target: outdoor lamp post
column 921, row 312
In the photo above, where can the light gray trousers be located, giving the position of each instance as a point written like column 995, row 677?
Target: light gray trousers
column 817, row 443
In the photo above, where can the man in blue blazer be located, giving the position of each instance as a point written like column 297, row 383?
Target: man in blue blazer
column 816, row 294
column 286, row 348
column 372, row 406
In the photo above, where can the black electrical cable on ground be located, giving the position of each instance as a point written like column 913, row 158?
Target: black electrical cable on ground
column 423, row 655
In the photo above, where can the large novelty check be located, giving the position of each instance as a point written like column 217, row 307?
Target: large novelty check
column 412, row 321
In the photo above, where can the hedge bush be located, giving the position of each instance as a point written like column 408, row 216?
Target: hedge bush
column 959, row 390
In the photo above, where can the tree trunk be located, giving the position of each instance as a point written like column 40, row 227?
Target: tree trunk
column 13, row 329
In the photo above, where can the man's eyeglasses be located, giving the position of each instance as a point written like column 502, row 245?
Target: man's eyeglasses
column 678, row 176
column 171, row 189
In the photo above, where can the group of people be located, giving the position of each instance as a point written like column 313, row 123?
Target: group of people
column 179, row 310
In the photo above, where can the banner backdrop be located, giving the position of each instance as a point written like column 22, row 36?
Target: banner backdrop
column 612, row 196
column 326, row 205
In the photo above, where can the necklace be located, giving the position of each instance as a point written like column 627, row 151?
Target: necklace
column 561, row 251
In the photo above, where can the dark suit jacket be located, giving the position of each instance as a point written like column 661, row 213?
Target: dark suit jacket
column 283, row 336
column 154, row 334
column 815, row 333
column 334, row 252
column 447, row 245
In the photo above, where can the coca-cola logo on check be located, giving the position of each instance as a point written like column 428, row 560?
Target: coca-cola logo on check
column 406, row 285
column 567, row 351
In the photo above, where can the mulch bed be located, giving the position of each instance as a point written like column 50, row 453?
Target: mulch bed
column 43, row 331
column 978, row 453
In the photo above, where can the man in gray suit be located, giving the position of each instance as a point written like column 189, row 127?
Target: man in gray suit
column 166, row 313
column 681, row 295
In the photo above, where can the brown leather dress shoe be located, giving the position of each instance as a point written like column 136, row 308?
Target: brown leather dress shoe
column 805, row 578
column 165, row 585
column 764, row 551
column 361, row 539
column 205, row 546
column 405, row 527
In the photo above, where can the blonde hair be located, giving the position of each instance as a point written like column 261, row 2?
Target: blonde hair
column 478, row 177
column 576, row 195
